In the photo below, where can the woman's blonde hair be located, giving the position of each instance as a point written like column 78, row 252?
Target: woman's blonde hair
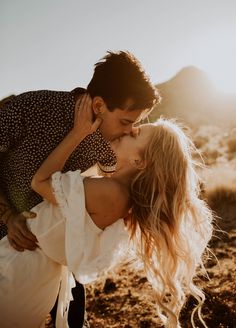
column 170, row 225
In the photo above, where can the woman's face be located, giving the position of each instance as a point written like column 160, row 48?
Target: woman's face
column 129, row 146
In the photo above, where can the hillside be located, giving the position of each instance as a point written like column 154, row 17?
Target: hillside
column 193, row 98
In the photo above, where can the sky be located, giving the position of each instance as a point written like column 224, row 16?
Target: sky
column 53, row 44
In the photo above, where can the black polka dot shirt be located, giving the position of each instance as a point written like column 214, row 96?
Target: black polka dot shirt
column 31, row 126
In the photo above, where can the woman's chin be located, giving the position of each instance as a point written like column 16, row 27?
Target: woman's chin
column 114, row 144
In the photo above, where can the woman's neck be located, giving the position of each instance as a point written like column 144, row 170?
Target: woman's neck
column 125, row 175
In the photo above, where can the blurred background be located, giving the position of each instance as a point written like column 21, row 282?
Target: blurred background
column 188, row 48
column 54, row 44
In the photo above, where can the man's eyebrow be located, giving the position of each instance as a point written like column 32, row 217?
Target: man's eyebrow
column 128, row 120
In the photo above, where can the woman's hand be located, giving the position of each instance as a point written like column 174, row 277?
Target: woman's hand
column 83, row 118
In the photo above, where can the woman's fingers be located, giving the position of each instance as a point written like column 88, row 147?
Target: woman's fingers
column 83, row 110
column 96, row 124
column 84, row 117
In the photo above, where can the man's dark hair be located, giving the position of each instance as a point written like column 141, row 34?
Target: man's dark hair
column 118, row 77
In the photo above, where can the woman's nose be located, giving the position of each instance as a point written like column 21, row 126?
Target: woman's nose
column 128, row 129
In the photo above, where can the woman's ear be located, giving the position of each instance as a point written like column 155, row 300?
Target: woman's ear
column 139, row 163
column 98, row 105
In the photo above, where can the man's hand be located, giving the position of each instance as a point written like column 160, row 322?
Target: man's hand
column 19, row 236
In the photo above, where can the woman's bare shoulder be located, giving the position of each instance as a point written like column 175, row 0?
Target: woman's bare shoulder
column 106, row 200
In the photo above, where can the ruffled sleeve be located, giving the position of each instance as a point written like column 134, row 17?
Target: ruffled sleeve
column 90, row 251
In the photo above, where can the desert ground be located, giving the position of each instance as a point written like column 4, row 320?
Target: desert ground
column 124, row 298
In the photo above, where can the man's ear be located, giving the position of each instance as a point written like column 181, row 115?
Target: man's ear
column 98, row 105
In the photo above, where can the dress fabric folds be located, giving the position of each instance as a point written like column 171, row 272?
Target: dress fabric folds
column 71, row 247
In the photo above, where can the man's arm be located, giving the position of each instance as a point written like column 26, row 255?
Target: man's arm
column 5, row 209
column 11, row 125
column 83, row 126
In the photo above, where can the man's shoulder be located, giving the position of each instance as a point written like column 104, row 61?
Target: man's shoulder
column 44, row 93
column 42, row 100
column 50, row 93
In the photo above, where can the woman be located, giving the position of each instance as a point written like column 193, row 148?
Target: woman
column 79, row 230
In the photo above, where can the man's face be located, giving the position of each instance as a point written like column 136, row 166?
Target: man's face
column 119, row 122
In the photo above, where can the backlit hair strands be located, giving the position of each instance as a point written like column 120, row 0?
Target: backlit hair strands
column 170, row 224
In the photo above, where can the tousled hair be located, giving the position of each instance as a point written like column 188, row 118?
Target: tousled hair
column 119, row 77
column 170, row 225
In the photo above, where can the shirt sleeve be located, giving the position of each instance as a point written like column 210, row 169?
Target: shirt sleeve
column 11, row 122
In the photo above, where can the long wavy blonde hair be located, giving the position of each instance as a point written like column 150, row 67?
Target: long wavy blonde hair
column 170, row 225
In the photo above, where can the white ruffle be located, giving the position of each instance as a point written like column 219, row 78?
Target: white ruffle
column 64, row 298
column 90, row 251
column 58, row 191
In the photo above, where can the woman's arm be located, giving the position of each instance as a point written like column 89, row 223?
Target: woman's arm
column 83, row 126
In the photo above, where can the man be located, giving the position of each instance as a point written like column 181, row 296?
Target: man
column 33, row 123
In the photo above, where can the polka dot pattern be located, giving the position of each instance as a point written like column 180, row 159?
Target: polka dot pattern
column 31, row 126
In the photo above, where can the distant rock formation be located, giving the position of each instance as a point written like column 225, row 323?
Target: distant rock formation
column 191, row 97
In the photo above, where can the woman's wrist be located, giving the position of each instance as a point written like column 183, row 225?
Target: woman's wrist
column 76, row 136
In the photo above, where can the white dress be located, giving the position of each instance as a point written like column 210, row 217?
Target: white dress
column 69, row 242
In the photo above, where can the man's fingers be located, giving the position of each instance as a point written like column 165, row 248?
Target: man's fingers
column 23, row 226
column 19, row 236
column 16, row 242
column 23, row 243
column 20, row 229
column 27, row 234
column 15, row 246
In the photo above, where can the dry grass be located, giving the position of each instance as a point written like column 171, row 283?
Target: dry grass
column 128, row 303
column 125, row 299
column 231, row 144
